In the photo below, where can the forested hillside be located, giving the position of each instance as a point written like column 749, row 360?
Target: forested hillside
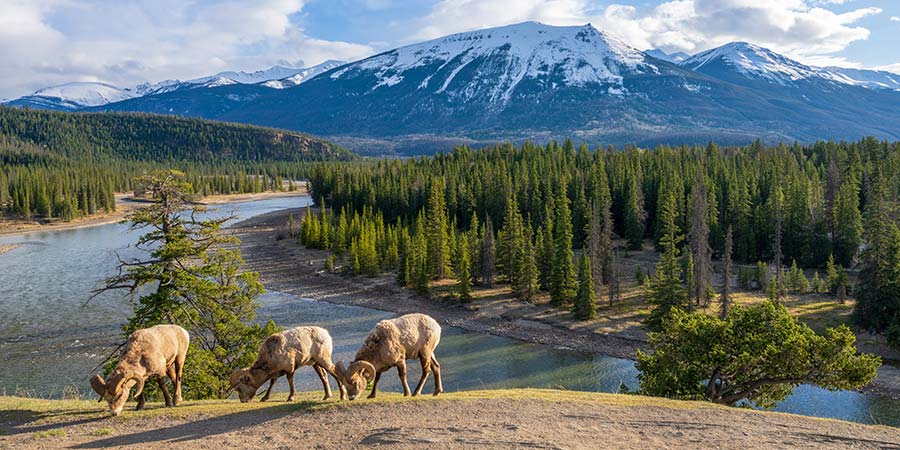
column 151, row 137
column 519, row 213
column 66, row 165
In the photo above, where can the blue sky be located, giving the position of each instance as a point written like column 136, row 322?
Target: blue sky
column 125, row 42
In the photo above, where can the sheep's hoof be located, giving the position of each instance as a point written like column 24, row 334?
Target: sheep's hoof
column 437, row 392
column 266, row 398
column 290, row 399
column 372, row 395
column 327, row 397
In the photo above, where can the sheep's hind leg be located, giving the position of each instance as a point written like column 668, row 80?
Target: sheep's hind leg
column 165, row 392
column 426, row 369
column 324, row 377
column 438, row 383
column 375, row 384
column 401, row 371
column 269, row 391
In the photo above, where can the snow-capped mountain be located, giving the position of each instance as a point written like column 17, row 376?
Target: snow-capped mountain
column 751, row 61
column 740, row 59
column 493, row 64
column 675, row 57
column 297, row 77
column 73, row 96
column 873, row 79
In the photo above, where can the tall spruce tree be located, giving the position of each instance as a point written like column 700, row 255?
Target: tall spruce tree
column 666, row 290
column 699, row 242
column 584, row 307
column 725, row 299
column 191, row 276
column 438, row 231
column 563, row 283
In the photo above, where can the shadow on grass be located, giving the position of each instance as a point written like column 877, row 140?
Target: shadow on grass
column 13, row 422
column 197, row 429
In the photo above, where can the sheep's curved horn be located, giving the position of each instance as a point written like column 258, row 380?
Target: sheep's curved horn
column 367, row 369
column 140, row 386
column 117, row 388
column 98, row 385
column 339, row 370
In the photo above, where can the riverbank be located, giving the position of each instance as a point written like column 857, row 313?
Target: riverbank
column 527, row 418
column 286, row 266
column 125, row 204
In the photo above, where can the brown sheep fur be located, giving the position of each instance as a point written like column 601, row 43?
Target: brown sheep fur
column 157, row 351
column 390, row 344
column 282, row 354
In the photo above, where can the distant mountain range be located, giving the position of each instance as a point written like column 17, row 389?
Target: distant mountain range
column 534, row 81
column 81, row 95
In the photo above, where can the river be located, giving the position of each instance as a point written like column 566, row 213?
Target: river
column 51, row 337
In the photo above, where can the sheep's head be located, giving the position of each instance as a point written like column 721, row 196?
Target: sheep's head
column 243, row 382
column 115, row 390
column 355, row 377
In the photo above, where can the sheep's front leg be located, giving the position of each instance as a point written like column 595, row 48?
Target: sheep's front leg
column 165, row 392
column 290, row 378
column 426, row 369
column 268, row 391
column 375, row 384
column 142, row 400
column 401, row 371
column 324, row 377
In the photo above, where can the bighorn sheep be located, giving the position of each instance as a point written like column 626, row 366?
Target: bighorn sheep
column 390, row 344
column 282, row 354
column 152, row 352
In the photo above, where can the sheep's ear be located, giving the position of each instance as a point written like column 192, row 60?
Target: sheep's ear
column 98, row 385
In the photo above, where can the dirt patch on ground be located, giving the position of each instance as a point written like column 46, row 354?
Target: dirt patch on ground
column 488, row 420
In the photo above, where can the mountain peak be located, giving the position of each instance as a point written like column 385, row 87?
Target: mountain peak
column 751, row 61
column 491, row 64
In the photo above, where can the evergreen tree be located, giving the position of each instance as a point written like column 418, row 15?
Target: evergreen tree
column 463, row 277
column 488, row 271
column 584, row 307
column 438, row 234
column 725, row 299
column 192, row 277
column 698, row 239
column 634, row 215
column 562, row 280
column 847, row 223
column 666, row 290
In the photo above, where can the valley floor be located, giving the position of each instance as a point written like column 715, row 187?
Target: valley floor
column 286, row 266
column 477, row 419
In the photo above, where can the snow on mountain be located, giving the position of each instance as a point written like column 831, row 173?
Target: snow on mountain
column 83, row 94
column 752, row 61
column 873, row 79
column 301, row 75
column 497, row 60
column 675, row 57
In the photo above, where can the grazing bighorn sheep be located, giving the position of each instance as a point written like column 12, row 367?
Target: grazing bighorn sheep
column 390, row 344
column 282, row 354
column 152, row 352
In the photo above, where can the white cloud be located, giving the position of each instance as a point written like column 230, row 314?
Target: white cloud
column 798, row 28
column 895, row 19
column 46, row 42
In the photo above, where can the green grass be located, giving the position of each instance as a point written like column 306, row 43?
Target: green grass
column 102, row 432
column 49, row 433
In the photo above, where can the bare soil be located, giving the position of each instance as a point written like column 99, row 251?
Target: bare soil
column 477, row 420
